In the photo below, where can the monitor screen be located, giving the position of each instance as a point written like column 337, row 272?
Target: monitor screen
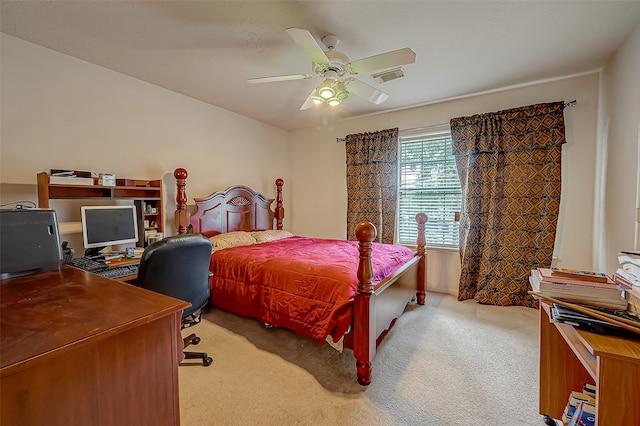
column 104, row 226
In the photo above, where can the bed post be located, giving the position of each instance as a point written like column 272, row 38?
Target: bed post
column 421, row 218
column 279, row 211
column 364, row 336
column 181, row 200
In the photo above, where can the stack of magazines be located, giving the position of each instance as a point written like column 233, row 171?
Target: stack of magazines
column 586, row 322
column 628, row 276
column 583, row 287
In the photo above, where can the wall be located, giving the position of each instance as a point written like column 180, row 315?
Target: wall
column 318, row 162
column 61, row 112
column 619, row 168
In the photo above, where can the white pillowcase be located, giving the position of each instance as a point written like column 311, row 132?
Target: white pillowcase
column 270, row 235
column 231, row 239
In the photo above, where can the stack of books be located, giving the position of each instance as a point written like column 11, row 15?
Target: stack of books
column 579, row 403
column 583, row 287
column 628, row 276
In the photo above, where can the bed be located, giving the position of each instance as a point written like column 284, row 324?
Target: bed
column 292, row 278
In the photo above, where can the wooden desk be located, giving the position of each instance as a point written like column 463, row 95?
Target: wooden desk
column 80, row 349
column 569, row 357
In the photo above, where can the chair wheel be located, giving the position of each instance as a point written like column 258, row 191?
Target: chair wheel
column 207, row 361
column 195, row 340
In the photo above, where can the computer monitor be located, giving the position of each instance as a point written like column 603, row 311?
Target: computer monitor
column 104, row 226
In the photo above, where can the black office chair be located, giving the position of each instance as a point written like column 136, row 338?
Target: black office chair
column 178, row 266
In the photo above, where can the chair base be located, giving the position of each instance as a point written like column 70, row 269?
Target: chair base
column 192, row 339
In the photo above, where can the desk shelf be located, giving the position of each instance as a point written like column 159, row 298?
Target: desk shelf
column 142, row 192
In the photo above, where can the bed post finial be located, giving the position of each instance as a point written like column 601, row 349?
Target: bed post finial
column 279, row 212
column 181, row 199
column 421, row 294
column 365, row 233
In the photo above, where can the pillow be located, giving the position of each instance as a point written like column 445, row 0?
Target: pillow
column 231, row 239
column 270, row 235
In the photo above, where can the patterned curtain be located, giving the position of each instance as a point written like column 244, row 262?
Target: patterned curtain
column 509, row 166
column 372, row 181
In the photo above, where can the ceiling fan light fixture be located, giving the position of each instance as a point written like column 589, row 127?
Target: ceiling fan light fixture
column 342, row 95
column 315, row 96
column 332, row 92
column 326, row 90
column 341, row 91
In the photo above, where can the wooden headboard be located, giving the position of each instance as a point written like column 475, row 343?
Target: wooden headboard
column 237, row 208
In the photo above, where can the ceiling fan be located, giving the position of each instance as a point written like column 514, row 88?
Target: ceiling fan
column 337, row 70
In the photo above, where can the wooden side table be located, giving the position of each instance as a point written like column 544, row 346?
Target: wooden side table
column 570, row 357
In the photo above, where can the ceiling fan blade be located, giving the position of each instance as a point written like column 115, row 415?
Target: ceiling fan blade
column 308, row 103
column 365, row 91
column 308, row 44
column 391, row 59
column 280, row 78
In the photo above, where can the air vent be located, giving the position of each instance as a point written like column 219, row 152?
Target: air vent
column 384, row 76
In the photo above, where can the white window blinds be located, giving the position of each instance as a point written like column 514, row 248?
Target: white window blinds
column 428, row 183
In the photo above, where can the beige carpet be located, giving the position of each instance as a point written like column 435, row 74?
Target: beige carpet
column 444, row 363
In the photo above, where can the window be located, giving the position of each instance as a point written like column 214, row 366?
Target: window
column 428, row 183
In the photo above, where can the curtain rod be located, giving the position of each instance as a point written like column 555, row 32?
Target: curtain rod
column 430, row 126
column 412, row 129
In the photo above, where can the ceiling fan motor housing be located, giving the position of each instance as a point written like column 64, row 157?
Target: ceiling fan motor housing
column 337, row 62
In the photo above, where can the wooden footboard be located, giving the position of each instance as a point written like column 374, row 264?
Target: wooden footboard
column 376, row 308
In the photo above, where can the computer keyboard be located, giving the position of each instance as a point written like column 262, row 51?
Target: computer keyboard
column 88, row 264
column 119, row 271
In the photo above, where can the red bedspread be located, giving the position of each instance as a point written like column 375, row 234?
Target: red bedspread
column 304, row 284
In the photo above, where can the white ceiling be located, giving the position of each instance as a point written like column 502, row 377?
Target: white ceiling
column 208, row 49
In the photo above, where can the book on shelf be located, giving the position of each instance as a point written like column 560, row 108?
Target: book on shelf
column 584, row 415
column 633, row 299
column 583, row 321
column 70, row 177
column 599, row 277
column 586, row 288
column 630, row 263
column 631, row 271
column 547, row 275
column 71, row 173
column 625, row 280
column 589, row 389
column 628, row 277
column 622, row 281
column 70, row 180
column 575, row 398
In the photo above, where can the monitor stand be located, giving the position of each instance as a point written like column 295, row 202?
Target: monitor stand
column 93, row 252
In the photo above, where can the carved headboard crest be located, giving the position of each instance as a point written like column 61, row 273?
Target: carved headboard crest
column 239, row 201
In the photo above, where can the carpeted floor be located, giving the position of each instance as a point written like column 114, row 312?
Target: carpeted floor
column 444, row 363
